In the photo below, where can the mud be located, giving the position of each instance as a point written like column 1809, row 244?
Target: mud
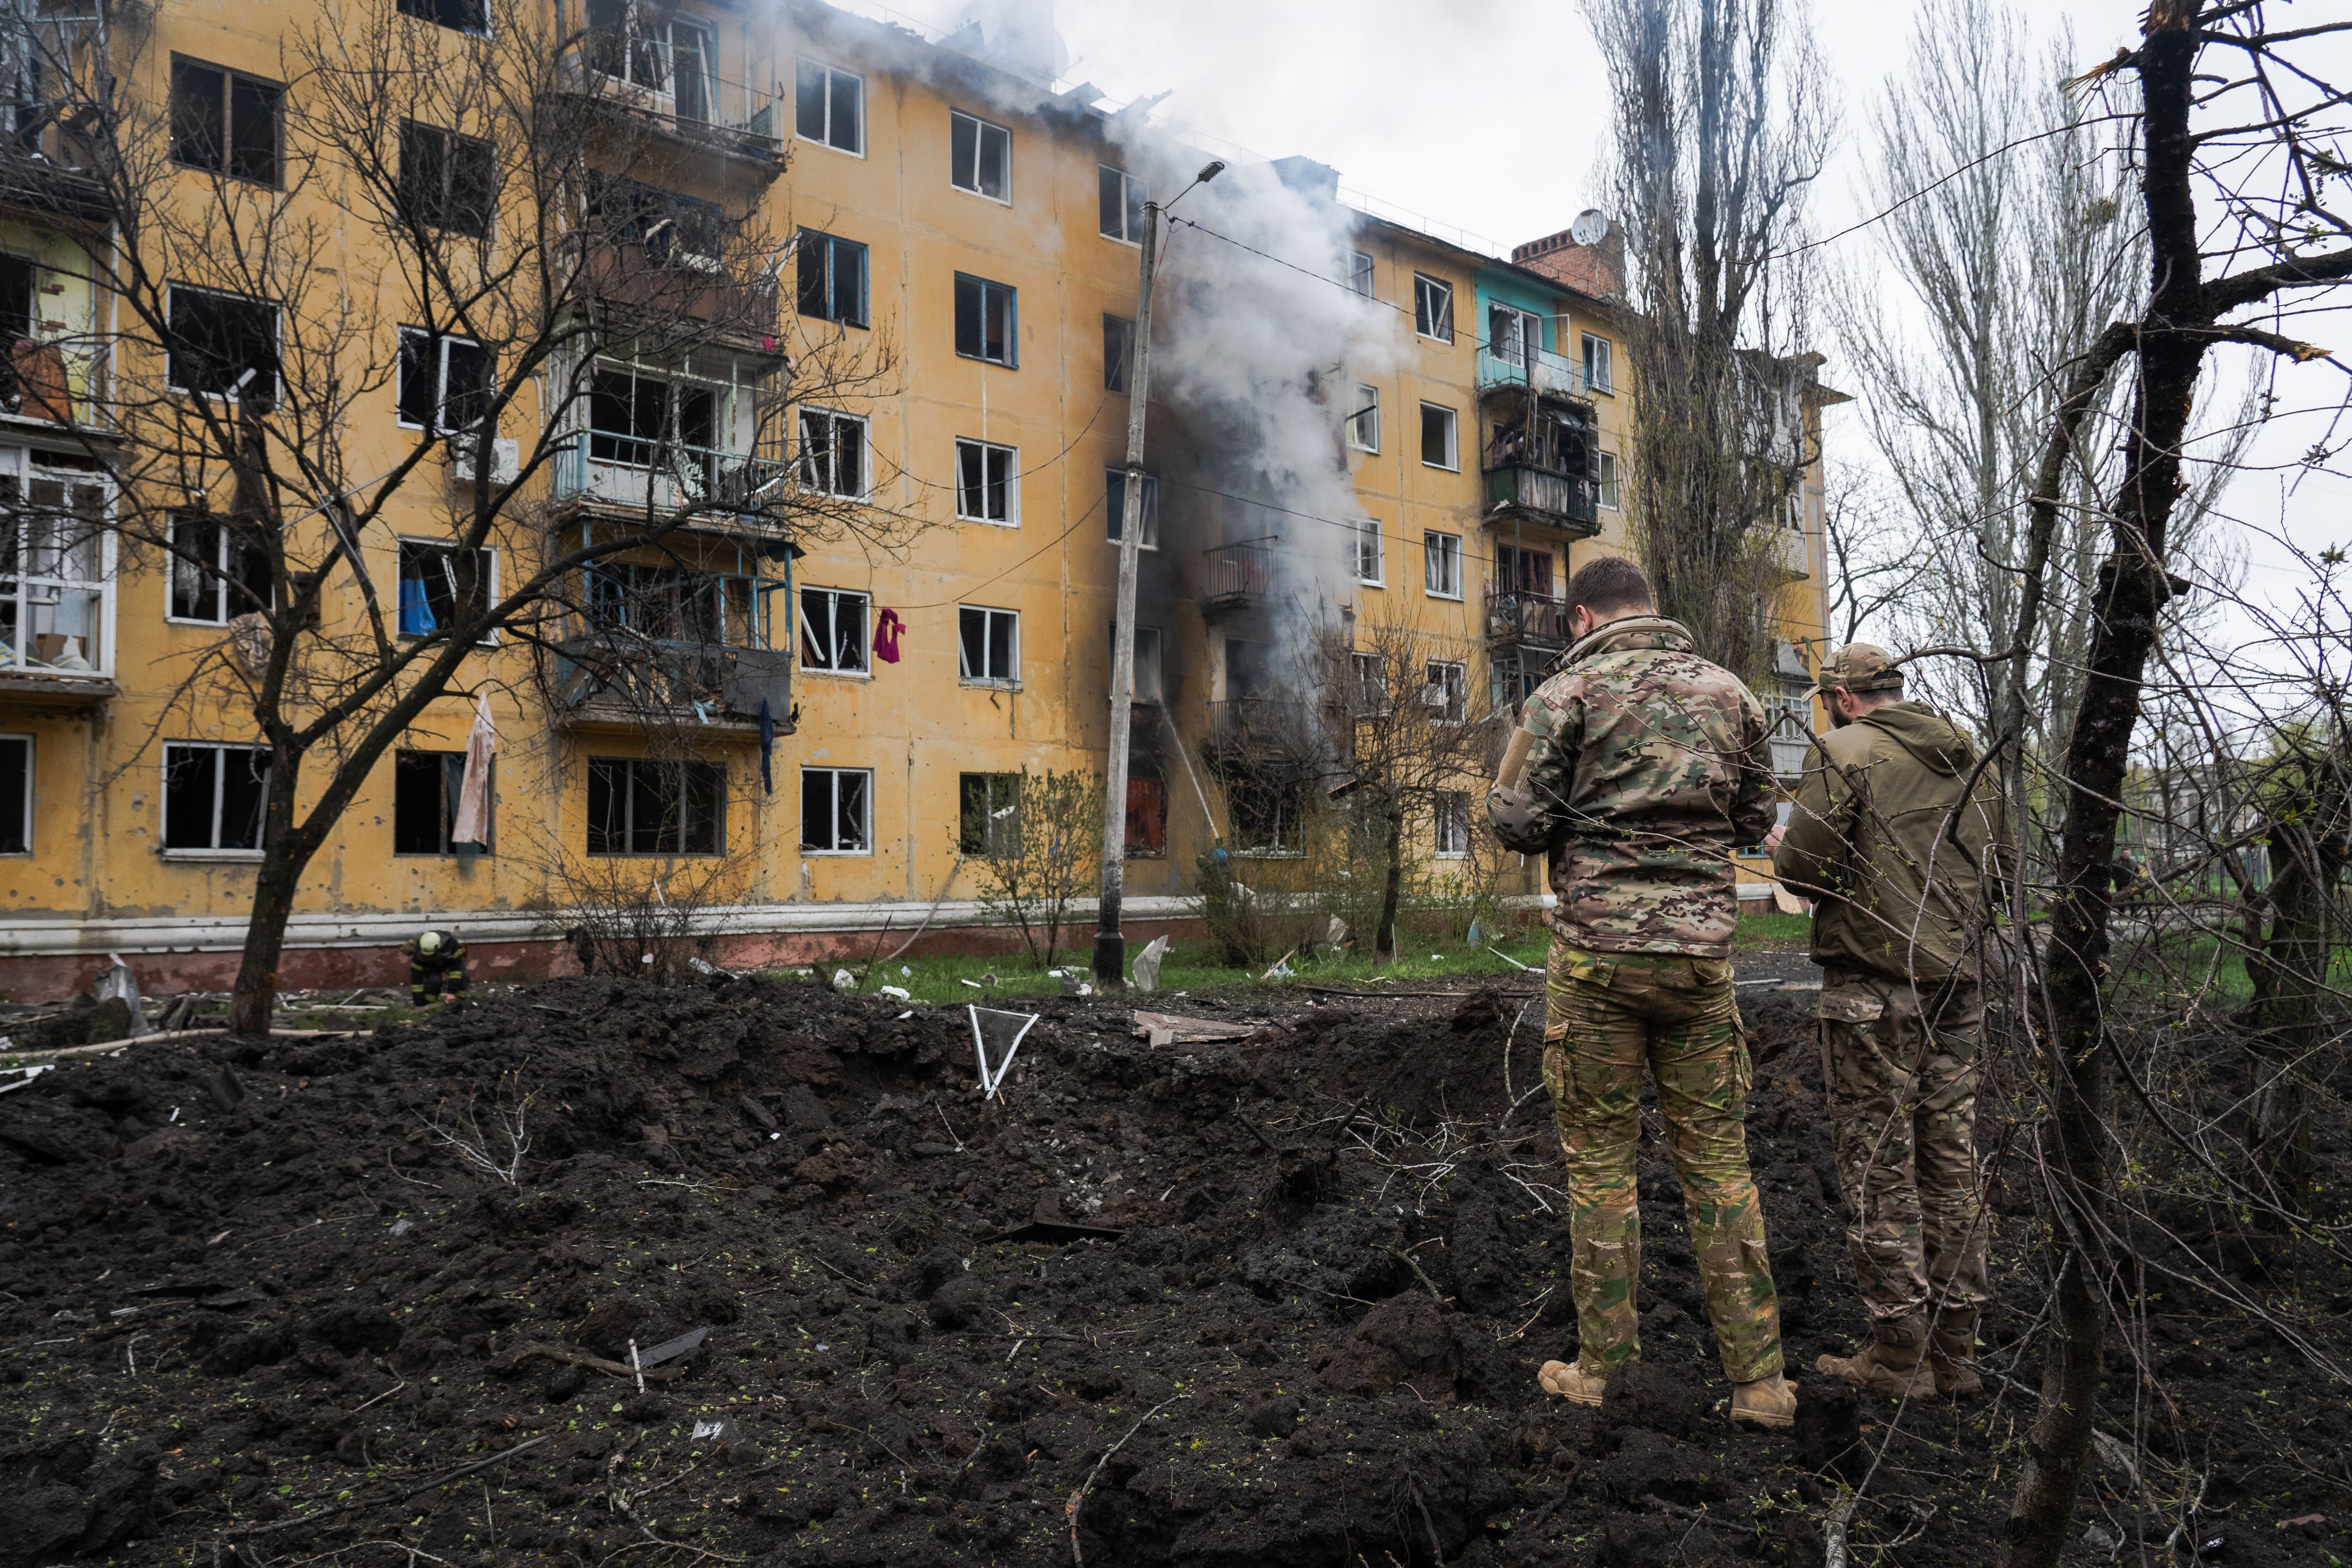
column 253, row 1301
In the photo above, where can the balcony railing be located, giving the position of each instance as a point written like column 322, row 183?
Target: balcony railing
column 56, row 593
column 673, row 291
column 1261, row 724
column 1542, row 495
column 687, row 477
column 1527, row 620
column 1238, row 575
column 1551, row 373
column 639, row 78
column 634, row 682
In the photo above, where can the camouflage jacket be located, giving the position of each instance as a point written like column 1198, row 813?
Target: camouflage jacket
column 1652, row 767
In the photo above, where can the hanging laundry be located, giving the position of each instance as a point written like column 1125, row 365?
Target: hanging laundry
column 767, row 746
column 473, row 823
column 886, row 637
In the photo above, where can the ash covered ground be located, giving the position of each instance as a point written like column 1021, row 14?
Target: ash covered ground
column 252, row 1307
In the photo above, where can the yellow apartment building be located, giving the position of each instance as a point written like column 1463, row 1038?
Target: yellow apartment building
column 1354, row 422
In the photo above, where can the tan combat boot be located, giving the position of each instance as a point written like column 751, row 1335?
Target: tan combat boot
column 1893, row 1363
column 1767, row 1402
column 1951, row 1348
column 1578, row 1384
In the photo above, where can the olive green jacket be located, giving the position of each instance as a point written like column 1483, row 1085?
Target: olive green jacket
column 1894, row 827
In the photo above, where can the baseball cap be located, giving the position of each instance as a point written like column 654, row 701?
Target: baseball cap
column 1857, row 667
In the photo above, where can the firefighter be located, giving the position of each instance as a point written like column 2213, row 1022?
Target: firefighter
column 436, row 966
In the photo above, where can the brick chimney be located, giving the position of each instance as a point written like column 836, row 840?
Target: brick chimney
column 1596, row 269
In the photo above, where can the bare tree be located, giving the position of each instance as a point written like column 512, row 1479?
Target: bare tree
column 1876, row 567
column 491, row 233
column 1037, row 852
column 1720, row 128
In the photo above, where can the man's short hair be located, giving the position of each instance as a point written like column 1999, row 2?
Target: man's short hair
column 1608, row 585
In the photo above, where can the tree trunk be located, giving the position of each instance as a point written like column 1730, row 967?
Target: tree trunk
column 255, row 996
column 2290, row 972
column 1384, row 941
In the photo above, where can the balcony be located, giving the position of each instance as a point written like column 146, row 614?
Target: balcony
column 1521, row 619
column 1551, row 373
column 1518, row 492
column 1793, row 554
column 57, row 598
column 647, row 86
column 609, row 681
column 676, row 298
column 1238, row 575
column 728, row 488
column 1243, row 727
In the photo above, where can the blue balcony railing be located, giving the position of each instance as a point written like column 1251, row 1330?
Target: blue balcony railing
column 1552, row 372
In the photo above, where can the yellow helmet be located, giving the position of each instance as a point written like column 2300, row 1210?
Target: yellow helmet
column 429, row 943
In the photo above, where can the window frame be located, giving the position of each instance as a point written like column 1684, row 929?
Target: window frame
column 801, row 65
column 447, row 806
column 1368, row 532
column 1355, row 422
column 1530, row 326
column 219, row 574
column 1134, row 196
column 32, row 756
column 1012, row 360
column 419, row 10
column 1010, row 484
column 1605, row 492
column 1451, row 676
column 1000, row 831
column 835, row 419
column 1452, row 463
column 1432, row 308
column 414, row 135
column 981, row 128
column 1439, row 551
column 713, row 774
column 1361, row 275
column 987, row 617
column 214, row 852
column 403, row 545
column 442, row 342
column 831, row 245
column 1606, row 383
column 176, row 338
column 1452, row 810
column 833, row 776
column 1117, row 368
column 804, row 631
column 1115, row 508
column 230, row 77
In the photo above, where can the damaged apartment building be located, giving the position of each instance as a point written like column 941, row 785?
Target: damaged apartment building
column 1382, row 423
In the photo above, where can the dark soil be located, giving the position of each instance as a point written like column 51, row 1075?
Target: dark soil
column 250, row 1303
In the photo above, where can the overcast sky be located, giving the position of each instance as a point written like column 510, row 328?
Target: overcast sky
column 1488, row 118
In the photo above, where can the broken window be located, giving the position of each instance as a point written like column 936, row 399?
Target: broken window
column 437, row 580
column 1514, row 335
column 1266, row 816
column 1364, row 421
column 833, row 454
column 1597, row 376
column 1371, row 554
column 634, row 43
column 1360, row 277
column 829, row 106
column 1440, row 564
column 447, row 181
column 214, row 795
column 989, row 818
column 635, row 419
column 674, row 230
column 988, row 646
column 1439, row 437
column 425, row 789
column 1453, row 824
column 1150, row 681
column 445, row 382
column 222, row 344
column 985, row 487
column 833, row 631
column 224, row 122
column 1118, row 349
column 832, row 282
column 638, row 806
column 1147, row 818
column 15, row 795
column 16, row 319
column 1115, row 508
column 980, row 156
column 218, row 572
column 1523, row 571
column 1119, row 199
column 1445, row 689
column 837, row 814
column 1249, row 669
column 987, row 315
column 1433, row 307
column 1369, row 682
column 462, row 16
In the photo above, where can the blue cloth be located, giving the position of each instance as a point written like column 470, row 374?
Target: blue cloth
column 767, row 746
column 415, row 613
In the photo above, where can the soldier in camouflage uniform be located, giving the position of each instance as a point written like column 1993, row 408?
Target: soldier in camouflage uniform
column 1894, row 833
column 1637, row 767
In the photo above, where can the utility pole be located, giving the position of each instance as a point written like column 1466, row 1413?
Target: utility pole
column 1110, row 943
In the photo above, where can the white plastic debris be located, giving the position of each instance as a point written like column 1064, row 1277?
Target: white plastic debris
column 1147, row 964
column 907, row 1014
column 844, row 980
column 906, row 971
column 995, row 1029
column 897, row 993
column 701, row 967
column 402, row 1226
column 1336, row 933
column 118, row 980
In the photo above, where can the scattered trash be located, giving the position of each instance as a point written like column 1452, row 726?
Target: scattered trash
column 896, row 995
column 1436, row 958
column 117, row 982
column 1514, row 964
column 1280, row 968
column 30, row 1071
column 1175, row 1029
column 1336, row 933
column 701, row 967
column 975, row 984
column 720, row 1430
column 402, row 1226
column 994, row 1027
column 670, row 1349
column 906, row 971
column 907, row 1014
column 2099, row 1540
column 1147, row 964
column 844, row 980
column 645, row 958
column 1477, row 937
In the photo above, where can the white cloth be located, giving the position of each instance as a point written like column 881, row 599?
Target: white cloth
column 473, row 825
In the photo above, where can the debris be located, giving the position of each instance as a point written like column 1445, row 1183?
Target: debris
column 1514, row 964
column 991, row 1025
column 1147, row 964
column 1175, row 1029
column 119, row 982
column 897, row 993
column 975, row 984
column 719, row 1430
column 1280, row 968
column 2098, row 1538
column 399, row 1226
column 670, row 1349
column 1056, row 1232
column 907, row 1014
column 844, row 980
column 701, row 967
column 1336, row 933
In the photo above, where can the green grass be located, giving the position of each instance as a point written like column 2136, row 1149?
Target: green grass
column 1773, row 931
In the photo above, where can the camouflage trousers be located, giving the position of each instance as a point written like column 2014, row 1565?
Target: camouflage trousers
column 1609, row 1015
column 1900, row 1061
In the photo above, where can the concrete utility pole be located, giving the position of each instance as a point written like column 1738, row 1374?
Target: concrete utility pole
column 1110, row 943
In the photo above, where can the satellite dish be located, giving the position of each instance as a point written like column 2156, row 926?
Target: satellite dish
column 1591, row 228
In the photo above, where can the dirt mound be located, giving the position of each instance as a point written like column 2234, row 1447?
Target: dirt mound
column 1273, row 1301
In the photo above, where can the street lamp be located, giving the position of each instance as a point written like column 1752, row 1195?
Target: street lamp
column 1110, row 945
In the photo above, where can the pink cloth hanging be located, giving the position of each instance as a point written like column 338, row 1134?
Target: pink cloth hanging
column 473, row 825
column 886, row 627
